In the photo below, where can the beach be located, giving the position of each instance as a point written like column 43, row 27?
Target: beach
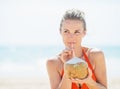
column 25, row 68
column 30, row 35
column 24, row 76
column 23, row 83
column 113, row 73
column 38, row 83
column 42, row 81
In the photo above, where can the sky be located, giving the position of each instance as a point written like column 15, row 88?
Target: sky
column 36, row 22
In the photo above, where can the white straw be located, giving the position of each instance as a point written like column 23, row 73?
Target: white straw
column 73, row 50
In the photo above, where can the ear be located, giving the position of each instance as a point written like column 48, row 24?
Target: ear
column 60, row 31
column 84, row 33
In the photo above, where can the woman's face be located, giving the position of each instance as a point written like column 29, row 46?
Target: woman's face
column 72, row 32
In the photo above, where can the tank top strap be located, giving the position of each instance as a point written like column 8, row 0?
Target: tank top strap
column 62, row 72
column 87, row 59
column 89, row 64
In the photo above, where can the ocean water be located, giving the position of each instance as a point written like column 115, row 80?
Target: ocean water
column 30, row 53
column 31, row 60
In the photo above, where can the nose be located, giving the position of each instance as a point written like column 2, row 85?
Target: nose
column 71, row 35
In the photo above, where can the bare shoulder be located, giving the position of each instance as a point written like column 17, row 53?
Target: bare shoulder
column 96, row 54
column 54, row 73
column 54, row 64
column 96, row 51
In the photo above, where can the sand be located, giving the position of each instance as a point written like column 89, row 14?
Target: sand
column 24, row 83
column 41, row 83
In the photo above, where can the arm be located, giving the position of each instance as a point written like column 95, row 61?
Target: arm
column 100, row 69
column 56, row 81
column 98, row 59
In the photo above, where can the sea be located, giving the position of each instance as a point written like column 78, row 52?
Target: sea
column 29, row 61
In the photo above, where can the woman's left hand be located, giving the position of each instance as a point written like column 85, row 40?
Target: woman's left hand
column 86, row 80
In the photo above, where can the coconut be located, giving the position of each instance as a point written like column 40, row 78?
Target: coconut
column 76, row 68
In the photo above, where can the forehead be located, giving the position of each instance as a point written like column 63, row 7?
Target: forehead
column 72, row 24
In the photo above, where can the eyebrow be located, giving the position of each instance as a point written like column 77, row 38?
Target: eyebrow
column 75, row 30
column 66, row 30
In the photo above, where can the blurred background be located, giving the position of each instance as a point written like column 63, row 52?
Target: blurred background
column 29, row 35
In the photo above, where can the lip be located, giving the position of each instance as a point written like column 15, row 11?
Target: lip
column 71, row 42
column 71, row 45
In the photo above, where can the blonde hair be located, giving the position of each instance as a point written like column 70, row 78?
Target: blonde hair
column 74, row 14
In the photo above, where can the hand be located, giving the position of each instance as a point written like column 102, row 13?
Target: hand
column 66, row 55
column 86, row 80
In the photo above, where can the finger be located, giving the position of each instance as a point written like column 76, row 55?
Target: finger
column 79, row 80
column 68, row 52
column 74, row 80
column 90, row 72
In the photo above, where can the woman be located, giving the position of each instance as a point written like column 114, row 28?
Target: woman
column 73, row 30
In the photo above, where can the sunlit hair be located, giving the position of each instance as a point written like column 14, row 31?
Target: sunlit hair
column 74, row 14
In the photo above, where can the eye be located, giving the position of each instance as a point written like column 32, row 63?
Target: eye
column 66, row 31
column 77, row 32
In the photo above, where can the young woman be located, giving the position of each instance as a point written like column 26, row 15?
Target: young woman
column 73, row 30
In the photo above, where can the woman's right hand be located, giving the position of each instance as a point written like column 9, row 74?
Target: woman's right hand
column 66, row 55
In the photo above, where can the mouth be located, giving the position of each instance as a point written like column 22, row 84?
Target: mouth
column 71, row 44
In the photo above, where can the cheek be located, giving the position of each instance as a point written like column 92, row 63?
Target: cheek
column 64, row 39
column 78, row 40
